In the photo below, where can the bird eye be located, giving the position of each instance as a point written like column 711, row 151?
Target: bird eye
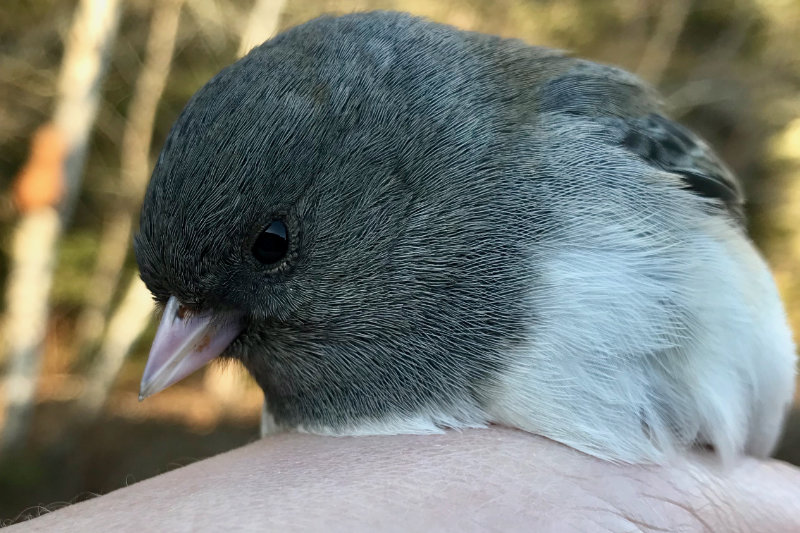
column 272, row 243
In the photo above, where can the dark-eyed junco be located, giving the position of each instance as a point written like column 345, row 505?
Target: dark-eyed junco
column 399, row 227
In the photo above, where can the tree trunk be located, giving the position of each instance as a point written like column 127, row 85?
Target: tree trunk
column 133, row 315
column 661, row 46
column 134, row 171
column 127, row 323
column 35, row 238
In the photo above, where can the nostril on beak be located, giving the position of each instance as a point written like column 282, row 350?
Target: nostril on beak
column 184, row 342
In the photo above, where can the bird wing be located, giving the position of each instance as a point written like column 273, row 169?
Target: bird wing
column 669, row 146
column 632, row 112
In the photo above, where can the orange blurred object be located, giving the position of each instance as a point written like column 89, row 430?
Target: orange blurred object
column 40, row 183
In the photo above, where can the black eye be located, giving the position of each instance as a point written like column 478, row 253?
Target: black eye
column 272, row 243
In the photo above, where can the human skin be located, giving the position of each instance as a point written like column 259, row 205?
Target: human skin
column 477, row 480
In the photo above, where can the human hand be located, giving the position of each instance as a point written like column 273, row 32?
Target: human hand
column 477, row 480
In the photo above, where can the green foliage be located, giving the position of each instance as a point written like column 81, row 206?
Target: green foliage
column 76, row 261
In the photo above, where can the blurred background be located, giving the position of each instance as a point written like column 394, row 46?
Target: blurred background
column 88, row 91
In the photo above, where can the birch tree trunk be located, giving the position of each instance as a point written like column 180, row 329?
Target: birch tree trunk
column 660, row 48
column 35, row 238
column 134, row 171
column 133, row 314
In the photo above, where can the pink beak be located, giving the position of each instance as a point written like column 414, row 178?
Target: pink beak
column 184, row 344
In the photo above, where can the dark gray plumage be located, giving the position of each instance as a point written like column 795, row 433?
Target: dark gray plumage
column 478, row 231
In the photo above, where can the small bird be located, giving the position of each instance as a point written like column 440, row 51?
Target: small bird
column 400, row 227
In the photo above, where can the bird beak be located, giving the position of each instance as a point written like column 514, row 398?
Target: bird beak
column 183, row 344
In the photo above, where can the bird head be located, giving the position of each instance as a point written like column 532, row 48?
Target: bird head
column 328, row 212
